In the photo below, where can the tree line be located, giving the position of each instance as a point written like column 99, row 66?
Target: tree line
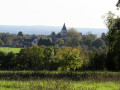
column 43, row 58
column 53, row 58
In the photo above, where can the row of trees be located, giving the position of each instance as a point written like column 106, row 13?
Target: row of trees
column 54, row 58
column 43, row 58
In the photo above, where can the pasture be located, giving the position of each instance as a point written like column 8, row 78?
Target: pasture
column 54, row 80
column 10, row 49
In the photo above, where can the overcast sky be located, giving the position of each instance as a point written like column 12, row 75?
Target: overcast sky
column 75, row 13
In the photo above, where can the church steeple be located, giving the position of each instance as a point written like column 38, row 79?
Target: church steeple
column 64, row 32
column 64, row 27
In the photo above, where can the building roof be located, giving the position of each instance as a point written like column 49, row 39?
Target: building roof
column 64, row 27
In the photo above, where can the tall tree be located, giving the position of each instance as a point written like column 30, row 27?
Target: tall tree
column 113, row 37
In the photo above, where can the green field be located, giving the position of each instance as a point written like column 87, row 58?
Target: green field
column 52, row 84
column 53, row 80
column 10, row 49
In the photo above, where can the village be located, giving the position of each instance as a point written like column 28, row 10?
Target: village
column 31, row 41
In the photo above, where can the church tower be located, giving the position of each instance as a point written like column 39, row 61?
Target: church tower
column 64, row 31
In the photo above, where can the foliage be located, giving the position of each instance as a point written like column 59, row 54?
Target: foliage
column 73, row 37
column 43, row 58
column 48, row 57
column 113, row 37
column 45, row 42
column 9, row 62
column 97, row 61
column 2, row 57
column 99, row 43
column 60, row 42
column 31, row 58
column 72, row 58
column 53, row 35
column 20, row 34
column 1, row 43
column 88, row 39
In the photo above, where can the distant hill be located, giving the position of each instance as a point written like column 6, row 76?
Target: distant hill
column 46, row 30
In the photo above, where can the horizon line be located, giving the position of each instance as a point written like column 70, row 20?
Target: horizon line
column 57, row 26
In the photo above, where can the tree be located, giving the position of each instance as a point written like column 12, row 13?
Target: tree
column 1, row 43
column 58, row 35
column 60, row 42
column 118, row 3
column 113, row 37
column 88, row 40
column 103, row 36
column 8, row 42
column 91, row 36
column 45, row 42
column 31, row 58
column 97, row 61
column 49, row 57
column 20, row 34
column 10, row 61
column 99, row 43
column 53, row 35
column 70, row 58
column 73, row 37
column 2, row 58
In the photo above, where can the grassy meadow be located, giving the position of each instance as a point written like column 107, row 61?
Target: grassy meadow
column 53, row 80
column 10, row 49
column 61, row 84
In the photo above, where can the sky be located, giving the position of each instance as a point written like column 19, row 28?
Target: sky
column 75, row 13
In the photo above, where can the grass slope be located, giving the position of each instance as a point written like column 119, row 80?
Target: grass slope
column 10, row 49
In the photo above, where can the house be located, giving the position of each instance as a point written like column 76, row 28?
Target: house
column 34, row 42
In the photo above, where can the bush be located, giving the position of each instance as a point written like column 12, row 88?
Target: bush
column 97, row 61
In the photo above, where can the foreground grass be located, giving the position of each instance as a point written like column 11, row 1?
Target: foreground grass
column 62, row 80
column 10, row 49
column 51, row 84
